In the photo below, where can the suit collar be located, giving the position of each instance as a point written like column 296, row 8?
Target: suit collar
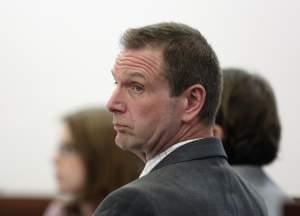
column 195, row 150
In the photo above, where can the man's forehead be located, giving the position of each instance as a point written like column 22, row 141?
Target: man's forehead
column 129, row 73
column 153, row 56
column 145, row 59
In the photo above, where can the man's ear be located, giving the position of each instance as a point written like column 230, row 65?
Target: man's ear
column 194, row 99
column 218, row 131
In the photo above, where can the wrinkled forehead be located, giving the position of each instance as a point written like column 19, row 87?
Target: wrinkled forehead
column 145, row 60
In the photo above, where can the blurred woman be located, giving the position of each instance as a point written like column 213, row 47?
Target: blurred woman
column 88, row 165
column 249, row 126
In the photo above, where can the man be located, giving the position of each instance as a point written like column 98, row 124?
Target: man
column 249, row 125
column 167, row 91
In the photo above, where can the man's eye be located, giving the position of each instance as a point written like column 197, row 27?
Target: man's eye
column 138, row 89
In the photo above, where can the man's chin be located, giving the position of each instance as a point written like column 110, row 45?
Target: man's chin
column 121, row 146
column 121, row 141
column 124, row 142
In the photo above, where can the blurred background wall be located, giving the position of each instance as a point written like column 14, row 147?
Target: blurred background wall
column 56, row 56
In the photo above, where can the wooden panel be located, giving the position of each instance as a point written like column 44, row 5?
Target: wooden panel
column 292, row 209
column 17, row 206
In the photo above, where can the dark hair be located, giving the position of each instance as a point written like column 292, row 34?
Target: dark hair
column 107, row 166
column 187, row 60
column 249, row 118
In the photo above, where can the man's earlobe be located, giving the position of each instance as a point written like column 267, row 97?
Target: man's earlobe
column 194, row 98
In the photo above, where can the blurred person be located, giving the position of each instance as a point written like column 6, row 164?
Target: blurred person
column 249, row 125
column 88, row 165
column 167, row 91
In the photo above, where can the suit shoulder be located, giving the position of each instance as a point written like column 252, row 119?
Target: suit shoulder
column 125, row 201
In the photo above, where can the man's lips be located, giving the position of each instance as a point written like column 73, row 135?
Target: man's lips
column 120, row 127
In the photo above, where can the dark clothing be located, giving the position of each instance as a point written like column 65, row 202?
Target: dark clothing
column 193, row 180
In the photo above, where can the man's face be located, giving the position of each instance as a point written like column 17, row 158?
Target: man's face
column 145, row 117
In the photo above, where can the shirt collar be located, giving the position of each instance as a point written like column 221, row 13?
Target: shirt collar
column 150, row 164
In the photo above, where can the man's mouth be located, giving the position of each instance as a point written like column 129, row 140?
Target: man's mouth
column 121, row 128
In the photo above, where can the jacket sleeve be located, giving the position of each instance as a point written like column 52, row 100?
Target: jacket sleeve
column 125, row 202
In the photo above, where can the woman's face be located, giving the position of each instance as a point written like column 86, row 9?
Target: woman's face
column 69, row 168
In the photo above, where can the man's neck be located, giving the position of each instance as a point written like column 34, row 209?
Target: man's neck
column 186, row 132
column 150, row 164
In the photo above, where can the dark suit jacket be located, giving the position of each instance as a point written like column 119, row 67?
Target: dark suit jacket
column 193, row 180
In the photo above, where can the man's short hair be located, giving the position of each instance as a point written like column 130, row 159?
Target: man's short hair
column 249, row 118
column 187, row 60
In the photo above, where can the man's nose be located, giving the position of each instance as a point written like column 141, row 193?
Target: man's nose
column 116, row 103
